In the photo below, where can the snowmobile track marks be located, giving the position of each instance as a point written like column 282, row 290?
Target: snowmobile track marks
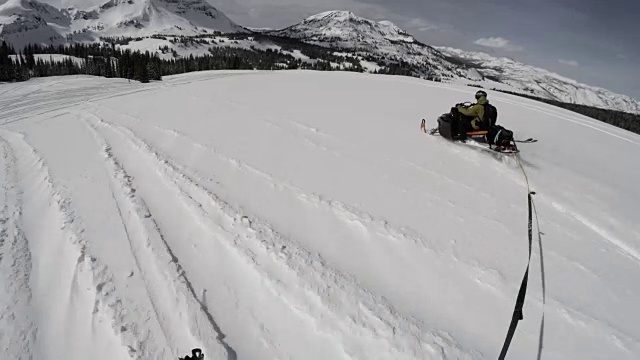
column 59, row 230
column 261, row 245
column 173, row 301
column 15, row 264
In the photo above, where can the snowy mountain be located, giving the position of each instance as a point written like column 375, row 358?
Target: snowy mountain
column 389, row 43
column 148, row 17
column 345, row 30
column 507, row 74
column 237, row 213
column 25, row 21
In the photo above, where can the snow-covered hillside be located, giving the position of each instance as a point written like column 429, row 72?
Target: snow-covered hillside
column 30, row 21
column 235, row 212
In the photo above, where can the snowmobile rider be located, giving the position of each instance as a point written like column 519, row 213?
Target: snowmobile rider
column 474, row 112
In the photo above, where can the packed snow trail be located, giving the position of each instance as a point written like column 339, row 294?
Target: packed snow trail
column 303, row 215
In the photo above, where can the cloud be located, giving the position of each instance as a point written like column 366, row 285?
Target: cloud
column 622, row 56
column 421, row 24
column 569, row 62
column 498, row 43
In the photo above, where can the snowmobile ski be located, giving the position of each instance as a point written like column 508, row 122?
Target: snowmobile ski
column 424, row 129
column 528, row 141
column 507, row 150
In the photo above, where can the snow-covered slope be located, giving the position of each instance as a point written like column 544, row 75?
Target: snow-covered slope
column 235, row 212
column 388, row 42
column 25, row 21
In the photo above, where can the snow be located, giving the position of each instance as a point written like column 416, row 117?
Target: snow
column 369, row 66
column 235, row 212
column 297, row 54
column 473, row 74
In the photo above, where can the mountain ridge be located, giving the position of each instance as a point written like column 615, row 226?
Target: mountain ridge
column 375, row 42
column 31, row 21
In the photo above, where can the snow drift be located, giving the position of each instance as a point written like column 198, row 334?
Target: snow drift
column 303, row 215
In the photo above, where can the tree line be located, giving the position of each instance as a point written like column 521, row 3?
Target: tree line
column 86, row 59
column 107, row 60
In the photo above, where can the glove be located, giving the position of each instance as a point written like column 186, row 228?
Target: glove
column 476, row 124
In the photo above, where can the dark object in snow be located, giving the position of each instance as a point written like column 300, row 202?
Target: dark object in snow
column 497, row 138
column 196, row 354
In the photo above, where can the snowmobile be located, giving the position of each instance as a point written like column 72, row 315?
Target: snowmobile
column 453, row 126
column 196, row 354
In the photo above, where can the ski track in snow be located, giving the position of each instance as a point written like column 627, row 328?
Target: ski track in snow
column 371, row 317
column 239, row 284
column 147, row 242
column 19, row 330
column 56, row 216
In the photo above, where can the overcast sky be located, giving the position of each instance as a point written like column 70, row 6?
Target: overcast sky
column 593, row 41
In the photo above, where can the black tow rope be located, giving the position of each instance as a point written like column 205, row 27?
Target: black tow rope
column 517, row 311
